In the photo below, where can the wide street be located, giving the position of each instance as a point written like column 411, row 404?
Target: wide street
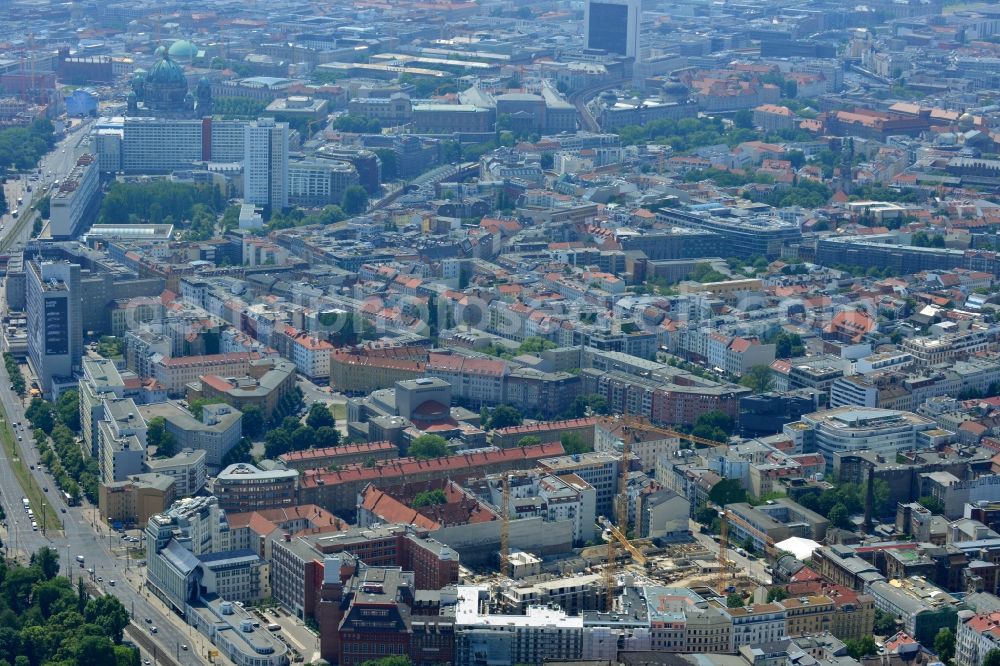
column 54, row 166
column 79, row 531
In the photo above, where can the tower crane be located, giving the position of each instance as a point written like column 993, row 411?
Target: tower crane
column 726, row 565
column 505, row 527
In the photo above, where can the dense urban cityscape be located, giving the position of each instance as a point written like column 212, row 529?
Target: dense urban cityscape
column 497, row 332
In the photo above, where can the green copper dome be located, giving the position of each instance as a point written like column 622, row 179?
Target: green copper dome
column 166, row 72
column 182, row 49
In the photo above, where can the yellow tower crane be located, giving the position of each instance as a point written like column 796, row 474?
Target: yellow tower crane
column 726, row 565
column 619, row 532
column 505, row 527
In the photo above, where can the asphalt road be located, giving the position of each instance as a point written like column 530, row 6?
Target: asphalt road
column 58, row 163
column 753, row 568
column 80, row 533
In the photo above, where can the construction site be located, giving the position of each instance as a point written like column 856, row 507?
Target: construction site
column 593, row 578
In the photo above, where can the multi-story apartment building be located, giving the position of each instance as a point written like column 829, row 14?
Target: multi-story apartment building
column 928, row 351
column 757, row 623
column 844, row 429
column 244, row 487
column 268, row 381
column 542, row 633
column 364, row 373
column 338, row 490
column 73, row 205
column 186, row 468
column 216, row 433
column 188, row 556
column 298, row 561
column 976, row 636
column 924, row 607
column 100, row 382
column 265, row 163
column 314, row 183
column 600, row 470
column 175, row 373
column 55, row 322
column 808, row 615
column 121, row 440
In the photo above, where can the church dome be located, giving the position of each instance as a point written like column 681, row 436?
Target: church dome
column 166, row 72
column 182, row 49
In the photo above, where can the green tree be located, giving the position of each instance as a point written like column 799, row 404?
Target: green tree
column 758, row 379
column 743, row 119
column 95, row 651
column 327, row 436
column 885, row 624
column 734, row 600
column 534, row 345
column 41, row 415
column 47, row 561
column 992, row 658
column 529, row 440
column 253, row 421
column 944, row 644
column 354, row 200
column 776, row 594
column 861, row 647
column 429, row 497
column 197, row 406
column 239, row 453
column 68, row 409
column 932, row 504
column 303, row 438
column 158, row 436
column 277, row 442
column 428, row 446
column 714, row 424
column 582, row 403
column 395, row 660
column 319, row 415
column 727, row 491
column 574, row 443
column 839, row 516
column 108, row 613
column 505, row 416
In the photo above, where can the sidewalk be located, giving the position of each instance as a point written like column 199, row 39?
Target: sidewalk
column 196, row 641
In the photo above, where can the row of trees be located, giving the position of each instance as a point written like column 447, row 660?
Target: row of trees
column 55, row 427
column 357, row 124
column 14, row 371
column 22, row 147
column 238, row 108
column 159, row 201
column 805, row 192
column 319, row 430
column 44, row 619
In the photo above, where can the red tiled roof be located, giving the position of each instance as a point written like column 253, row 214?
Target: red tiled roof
column 406, row 466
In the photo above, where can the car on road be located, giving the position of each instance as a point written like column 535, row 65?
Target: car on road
column 111, row 582
column 62, row 509
column 149, row 620
column 100, row 579
column 184, row 646
column 45, row 488
column 91, row 571
column 152, row 629
column 31, row 466
column 146, row 662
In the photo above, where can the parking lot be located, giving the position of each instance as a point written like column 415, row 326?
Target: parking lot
column 303, row 643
